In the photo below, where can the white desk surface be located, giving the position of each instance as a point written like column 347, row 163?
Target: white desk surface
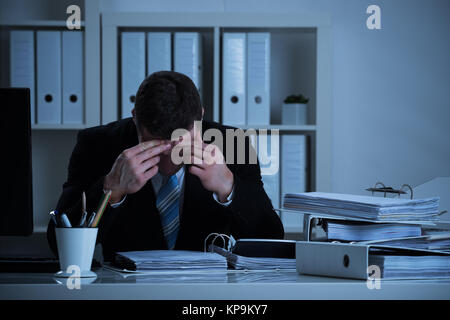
column 229, row 285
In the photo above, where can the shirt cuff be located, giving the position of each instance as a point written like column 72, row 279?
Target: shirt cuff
column 115, row 205
column 229, row 198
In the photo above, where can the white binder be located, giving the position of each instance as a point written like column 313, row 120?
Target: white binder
column 258, row 78
column 22, row 64
column 188, row 56
column 48, row 77
column 234, row 82
column 353, row 260
column 268, row 155
column 72, row 73
column 132, row 69
column 293, row 174
column 159, row 52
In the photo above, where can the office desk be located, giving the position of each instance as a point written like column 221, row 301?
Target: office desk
column 230, row 285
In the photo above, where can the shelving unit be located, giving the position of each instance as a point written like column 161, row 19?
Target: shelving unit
column 288, row 30
column 91, row 28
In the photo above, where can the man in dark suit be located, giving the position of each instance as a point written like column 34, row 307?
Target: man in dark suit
column 155, row 202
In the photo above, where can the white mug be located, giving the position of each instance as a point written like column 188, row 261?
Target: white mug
column 76, row 248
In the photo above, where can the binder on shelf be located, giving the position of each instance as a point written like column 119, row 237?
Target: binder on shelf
column 132, row 68
column 234, row 69
column 188, row 56
column 293, row 174
column 49, row 107
column 22, row 64
column 159, row 52
column 72, row 74
column 258, row 78
column 268, row 155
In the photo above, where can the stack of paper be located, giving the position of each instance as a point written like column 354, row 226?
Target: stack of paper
column 239, row 262
column 433, row 242
column 361, row 231
column 365, row 207
column 404, row 266
column 170, row 260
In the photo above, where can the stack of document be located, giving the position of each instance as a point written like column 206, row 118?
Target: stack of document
column 432, row 242
column 364, row 207
column 411, row 266
column 239, row 262
column 361, row 231
column 170, row 260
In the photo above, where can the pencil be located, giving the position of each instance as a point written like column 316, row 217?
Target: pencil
column 101, row 208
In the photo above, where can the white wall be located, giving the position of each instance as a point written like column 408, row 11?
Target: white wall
column 51, row 154
column 391, row 109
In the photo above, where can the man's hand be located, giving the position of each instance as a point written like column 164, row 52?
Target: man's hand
column 208, row 164
column 133, row 168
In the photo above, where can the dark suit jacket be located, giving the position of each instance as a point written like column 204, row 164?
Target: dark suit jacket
column 135, row 224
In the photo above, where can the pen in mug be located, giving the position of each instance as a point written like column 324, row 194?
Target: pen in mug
column 53, row 217
column 83, row 210
column 65, row 220
column 91, row 219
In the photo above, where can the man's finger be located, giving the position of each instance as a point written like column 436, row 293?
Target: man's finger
column 139, row 148
column 150, row 173
column 196, row 171
column 197, row 152
column 152, row 152
column 147, row 164
column 149, row 144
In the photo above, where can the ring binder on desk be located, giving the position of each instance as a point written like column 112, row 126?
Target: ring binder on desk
column 312, row 214
column 352, row 260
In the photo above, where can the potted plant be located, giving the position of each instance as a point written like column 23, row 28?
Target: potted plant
column 295, row 109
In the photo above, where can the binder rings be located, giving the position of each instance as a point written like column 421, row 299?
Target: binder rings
column 293, row 173
column 234, row 92
column 132, row 69
column 48, row 77
column 72, row 71
column 22, row 64
column 253, row 254
column 188, row 56
column 159, row 52
column 258, row 78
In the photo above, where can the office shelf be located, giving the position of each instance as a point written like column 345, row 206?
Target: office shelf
column 294, row 36
column 36, row 23
column 90, row 26
column 58, row 126
column 282, row 127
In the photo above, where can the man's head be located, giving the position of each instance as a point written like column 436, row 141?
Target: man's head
column 166, row 101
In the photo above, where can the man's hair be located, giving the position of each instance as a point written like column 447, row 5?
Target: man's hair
column 165, row 101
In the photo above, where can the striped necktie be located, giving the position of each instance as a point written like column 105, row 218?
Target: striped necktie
column 168, row 205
